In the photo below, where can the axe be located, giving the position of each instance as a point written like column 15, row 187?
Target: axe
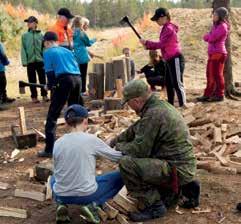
column 23, row 84
column 125, row 20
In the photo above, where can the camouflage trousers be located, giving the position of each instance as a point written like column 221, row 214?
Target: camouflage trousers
column 145, row 179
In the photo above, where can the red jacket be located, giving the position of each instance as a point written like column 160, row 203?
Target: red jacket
column 168, row 43
column 59, row 29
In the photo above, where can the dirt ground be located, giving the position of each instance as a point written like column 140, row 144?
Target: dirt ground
column 220, row 193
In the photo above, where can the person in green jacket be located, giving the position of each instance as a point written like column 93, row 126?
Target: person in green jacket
column 158, row 164
column 32, row 58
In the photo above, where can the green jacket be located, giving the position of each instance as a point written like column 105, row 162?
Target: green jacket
column 31, row 50
column 160, row 133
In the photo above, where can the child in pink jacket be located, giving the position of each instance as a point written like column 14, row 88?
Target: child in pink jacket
column 217, row 55
column 171, row 53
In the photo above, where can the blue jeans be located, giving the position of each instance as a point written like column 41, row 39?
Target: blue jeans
column 108, row 186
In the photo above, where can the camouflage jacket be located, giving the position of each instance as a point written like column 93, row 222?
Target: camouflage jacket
column 160, row 133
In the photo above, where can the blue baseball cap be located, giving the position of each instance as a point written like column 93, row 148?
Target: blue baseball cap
column 75, row 111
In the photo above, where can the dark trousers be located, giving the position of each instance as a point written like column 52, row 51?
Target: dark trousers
column 32, row 68
column 3, row 84
column 67, row 91
column 83, row 70
column 174, row 80
column 155, row 81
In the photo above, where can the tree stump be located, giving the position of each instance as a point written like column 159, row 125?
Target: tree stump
column 119, row 70
column 111, row 103
column 109, row 77
column 128, row 69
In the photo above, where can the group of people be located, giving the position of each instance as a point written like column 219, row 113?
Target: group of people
column 155, row 155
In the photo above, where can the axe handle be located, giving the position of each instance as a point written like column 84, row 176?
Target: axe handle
column 133, row 28
column 33, row 84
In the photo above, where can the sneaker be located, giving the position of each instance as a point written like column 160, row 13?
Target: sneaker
column 45, row 99
column 35, row 100
column 45, row 154
column 62, row 214
column 216, row 99
column 203, row 99
column 90, row 212
column 190, row 195
column 8, row 100
column 153, row 212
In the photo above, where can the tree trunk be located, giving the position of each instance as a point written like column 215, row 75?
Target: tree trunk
column 228, row 72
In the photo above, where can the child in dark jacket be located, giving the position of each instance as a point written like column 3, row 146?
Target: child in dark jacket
column 31, row 55
column 3, row 81
column 154, row 71
column 171, row 53
column 217, row 55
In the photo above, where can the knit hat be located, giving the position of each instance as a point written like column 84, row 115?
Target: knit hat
column 75, row 111
column 222, row 13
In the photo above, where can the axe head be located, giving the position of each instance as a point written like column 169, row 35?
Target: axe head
column 21, row 86
column 124, row 20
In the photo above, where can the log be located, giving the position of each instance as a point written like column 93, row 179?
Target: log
column 111, row 103
column 110, row 211
column 128, row 68
column 217, row 134
column 13, row 212
column 96, row 104
column 119, row 70
column 122, row 219
column 22, row 121
column 119, row 87
column 99, row 69
column 122, row 200
column 38, row 196
column 109, row 77
column 96, row 85
column 4, row 186
column 103, row 215
column 44, row 170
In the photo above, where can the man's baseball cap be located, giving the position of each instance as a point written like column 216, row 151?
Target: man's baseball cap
column 160, row 12
column 134, row 89
column 31, row 19
column 75, row 111
column 50, row 36
column 65, row 12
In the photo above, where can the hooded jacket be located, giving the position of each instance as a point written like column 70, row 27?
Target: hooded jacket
column 168, row 43
column 32, row 48
column 216, row 38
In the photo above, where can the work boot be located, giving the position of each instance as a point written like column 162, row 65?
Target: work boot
column 153, row 212
column 62, row 214
column 216, row 99
column 190, row 195
column 7, row 100
column 90, row 212
column 45, row 154
column 203, row 99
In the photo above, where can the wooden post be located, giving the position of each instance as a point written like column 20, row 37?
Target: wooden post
column 22, row 121
column 111, row 103
column 119, row 69
column 128, row 69
column 119, row 87
column 99, row 69
column 109, row 77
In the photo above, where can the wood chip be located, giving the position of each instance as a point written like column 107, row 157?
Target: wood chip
column 13, row 212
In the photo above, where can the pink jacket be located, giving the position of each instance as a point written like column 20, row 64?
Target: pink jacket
column 216, row 38
column 168, row 42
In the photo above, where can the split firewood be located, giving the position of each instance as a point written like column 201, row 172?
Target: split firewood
column 208, row 210
column 103, row 215
column 217, row 135
column 49, row 193
column 4, row 186
column 122, row 219
column 222, row 160
column 13, row 212
column 110, row 211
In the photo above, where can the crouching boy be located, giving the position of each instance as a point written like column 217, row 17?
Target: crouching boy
column 74, row 180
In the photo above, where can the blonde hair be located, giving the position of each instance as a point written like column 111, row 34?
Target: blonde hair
column 79, row 22
column 153, row 54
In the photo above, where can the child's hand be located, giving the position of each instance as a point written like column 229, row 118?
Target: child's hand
column 143, row 42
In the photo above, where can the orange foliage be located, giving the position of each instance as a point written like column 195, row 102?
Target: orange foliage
column 117, row 41
column 18, row 12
